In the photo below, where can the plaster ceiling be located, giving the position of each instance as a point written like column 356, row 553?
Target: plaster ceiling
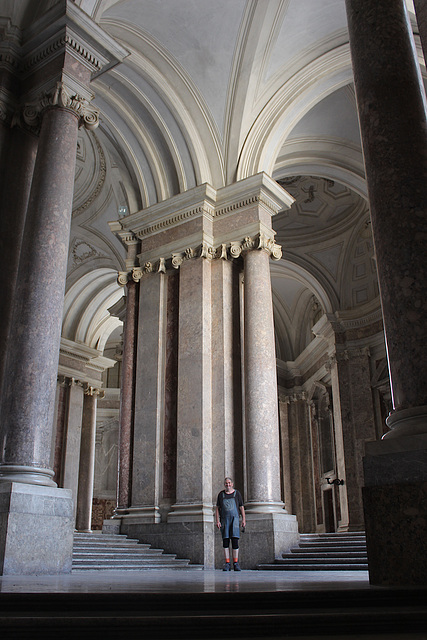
column 214, row 91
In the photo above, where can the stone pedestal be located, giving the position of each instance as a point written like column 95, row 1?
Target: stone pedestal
column 395, row 502
column 36, row 529
column 193, row 540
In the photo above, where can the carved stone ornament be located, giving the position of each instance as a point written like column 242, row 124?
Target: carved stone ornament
column 61, row 97
column 267, row 244
column 177, row 260
column 137, row 274
column 206, row 251
column 122, row 278
column 92, row 391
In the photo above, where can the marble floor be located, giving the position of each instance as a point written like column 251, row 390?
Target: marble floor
column 189, row 581
column 107, row 604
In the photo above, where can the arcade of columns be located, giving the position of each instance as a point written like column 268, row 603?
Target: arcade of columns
column 199, row 374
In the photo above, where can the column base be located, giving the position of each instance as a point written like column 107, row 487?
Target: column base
column 267, row 536
column 36, row 529
column 192, row 540
column 191, row 513
column 27, row 475
column 395, row 506
column 407, row 422
column 146, row 515
column 396, row 533
column 265, row 507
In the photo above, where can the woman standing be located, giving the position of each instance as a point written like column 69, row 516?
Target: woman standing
column 229, row 506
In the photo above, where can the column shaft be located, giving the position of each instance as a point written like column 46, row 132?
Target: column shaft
column 392, row 115
column 87, row 461
column 149, row 398
column 194, row 435
column 127, row 398
column 15, row 190
column 226, row 375
column 261, row 404
column 354, row 426
column 29, row 390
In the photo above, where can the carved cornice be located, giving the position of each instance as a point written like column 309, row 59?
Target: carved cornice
column 74, row 46
column 233, row 250
column 171, row 221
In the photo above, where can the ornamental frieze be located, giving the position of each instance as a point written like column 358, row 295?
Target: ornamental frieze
column 234, row 250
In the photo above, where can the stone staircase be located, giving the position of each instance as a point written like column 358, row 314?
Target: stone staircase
column 324, row 552
column 96, row 551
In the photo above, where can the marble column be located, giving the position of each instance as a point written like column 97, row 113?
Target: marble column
column 354, row 425
column 149, row 400
column 392, row 115
column 194, row 429
column 261, row 403
column 20, row 155
column 29, row 389
column 71, row 443
column 301, row 462
column 227, row 436
column 388, row 84
column 127, row 398
column 87, row 460
column 31, row 371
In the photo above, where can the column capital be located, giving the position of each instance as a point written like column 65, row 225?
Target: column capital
column 62, row 97
column 93, row 391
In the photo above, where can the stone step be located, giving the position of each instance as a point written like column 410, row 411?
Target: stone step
column 313, row 567
column 295, row 613
column 324, row 552
column 115, row 549
column 330, row 547
column 316, row 560
column 115, row 552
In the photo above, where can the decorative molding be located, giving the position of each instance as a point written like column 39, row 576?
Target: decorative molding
column 101, row 180
column 78, row 49
column 63, row 98
column 207, row 251
column 82, row 251
column 247, row 202
column 171, row 221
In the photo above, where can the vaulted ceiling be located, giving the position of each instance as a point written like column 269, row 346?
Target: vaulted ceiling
column 215, row 91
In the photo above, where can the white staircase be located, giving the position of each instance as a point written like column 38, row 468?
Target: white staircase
column 96, row 551
column 324, row 552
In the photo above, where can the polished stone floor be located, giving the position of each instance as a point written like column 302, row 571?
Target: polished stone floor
column 190, row 581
